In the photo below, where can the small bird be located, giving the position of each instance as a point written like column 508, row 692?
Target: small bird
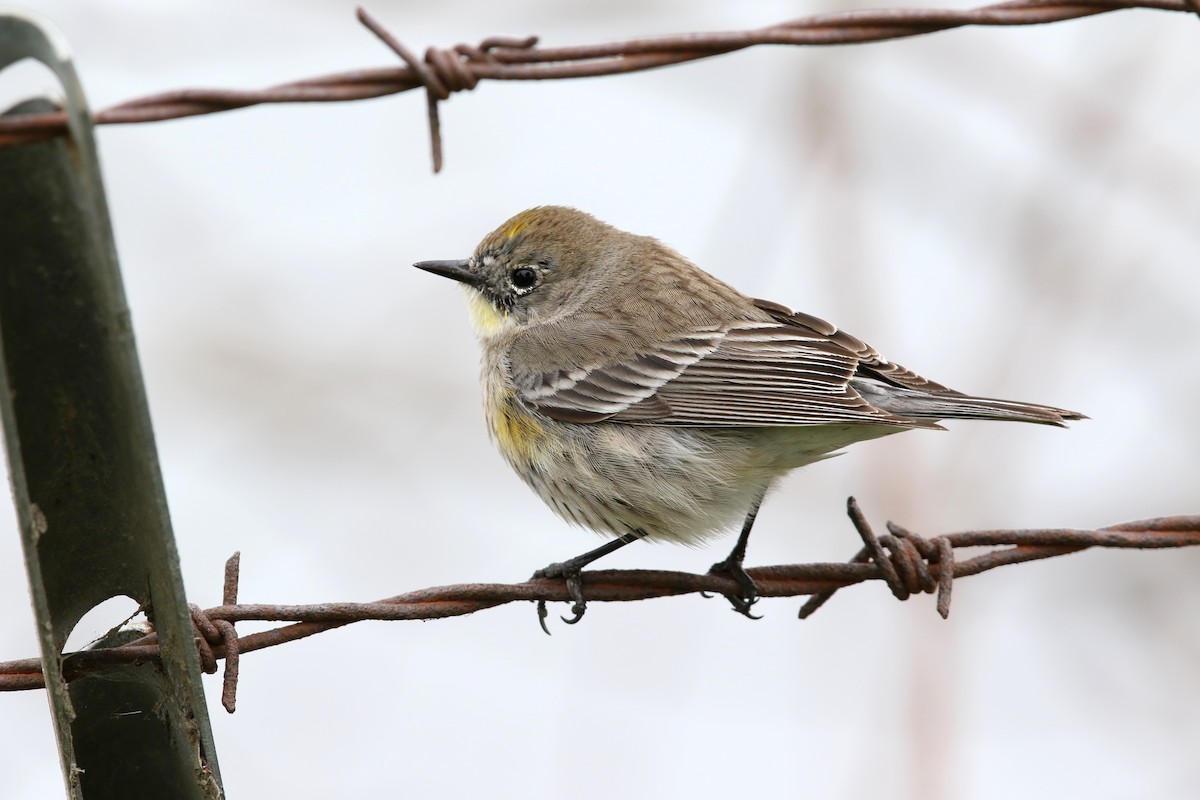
column 643, row 398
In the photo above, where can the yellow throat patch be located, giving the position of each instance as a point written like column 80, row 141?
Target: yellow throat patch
column 485, row 317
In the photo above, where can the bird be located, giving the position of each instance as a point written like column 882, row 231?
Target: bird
column 643, row 398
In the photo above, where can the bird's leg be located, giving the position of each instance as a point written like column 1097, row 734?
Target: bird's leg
column 732, row 567
column 570, row 569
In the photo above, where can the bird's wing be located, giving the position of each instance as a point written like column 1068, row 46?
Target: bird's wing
column 602, row 392
column 870, row 363
column 891, row 387
column 781, row 371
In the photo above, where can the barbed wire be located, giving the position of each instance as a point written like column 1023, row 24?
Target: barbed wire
column 444, row 71
column 906, row 561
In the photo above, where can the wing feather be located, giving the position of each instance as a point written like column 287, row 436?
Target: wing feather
column 750, row 373
column 783, row 369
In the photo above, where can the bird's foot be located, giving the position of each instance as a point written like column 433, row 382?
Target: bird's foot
column 747, row 594
column 571, row 572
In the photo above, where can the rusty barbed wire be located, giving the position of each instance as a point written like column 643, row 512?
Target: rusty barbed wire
column 444, row 71
column 907, row 562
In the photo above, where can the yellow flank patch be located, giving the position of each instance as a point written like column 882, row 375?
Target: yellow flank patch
column 518, row 433
column 485, row 317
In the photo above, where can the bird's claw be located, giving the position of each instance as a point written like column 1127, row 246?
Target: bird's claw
column 742, row 606
column 573, row 577
column 747, row 594
column 576, row 613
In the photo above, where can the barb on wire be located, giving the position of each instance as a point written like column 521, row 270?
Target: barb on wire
column 907, row 562
column 445, row 71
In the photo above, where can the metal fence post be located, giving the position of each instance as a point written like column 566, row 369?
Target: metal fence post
column 85, row 473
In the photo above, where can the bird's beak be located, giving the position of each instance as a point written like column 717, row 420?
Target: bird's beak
column 455, row 270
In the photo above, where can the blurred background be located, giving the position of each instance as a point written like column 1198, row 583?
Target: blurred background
column 1013, row 212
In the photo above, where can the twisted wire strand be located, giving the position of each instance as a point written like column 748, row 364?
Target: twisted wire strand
column 443, row 71
column 906, row 562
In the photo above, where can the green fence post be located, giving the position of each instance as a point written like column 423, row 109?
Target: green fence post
column 85, row 474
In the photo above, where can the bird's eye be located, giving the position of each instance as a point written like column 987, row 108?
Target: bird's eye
column 523, row 278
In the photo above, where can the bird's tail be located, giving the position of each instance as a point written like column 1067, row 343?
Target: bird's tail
column 917, row 404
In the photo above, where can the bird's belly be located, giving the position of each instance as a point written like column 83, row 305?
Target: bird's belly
column 682, row 484
column 676, row 484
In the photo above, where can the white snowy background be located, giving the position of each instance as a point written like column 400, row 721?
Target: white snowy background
column 1014, row 212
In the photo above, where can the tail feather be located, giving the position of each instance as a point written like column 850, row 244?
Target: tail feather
column 917, row 404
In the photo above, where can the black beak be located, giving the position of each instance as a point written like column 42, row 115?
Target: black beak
column 455, row 270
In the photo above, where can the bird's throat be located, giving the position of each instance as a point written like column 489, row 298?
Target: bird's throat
column 487, row 320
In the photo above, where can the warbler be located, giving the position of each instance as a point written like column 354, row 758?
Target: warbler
column 643, row 398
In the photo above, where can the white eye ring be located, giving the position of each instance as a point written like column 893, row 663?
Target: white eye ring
column 523, row 280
